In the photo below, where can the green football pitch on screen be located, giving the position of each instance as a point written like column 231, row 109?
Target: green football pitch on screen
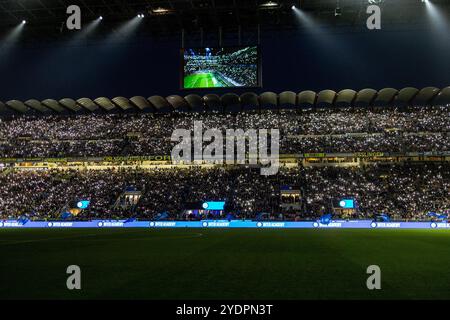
column 203, row 80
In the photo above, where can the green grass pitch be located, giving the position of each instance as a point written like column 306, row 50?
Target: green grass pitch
column 201, row 80
column 224, row 263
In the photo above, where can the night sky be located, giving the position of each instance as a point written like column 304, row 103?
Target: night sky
column 326, row 59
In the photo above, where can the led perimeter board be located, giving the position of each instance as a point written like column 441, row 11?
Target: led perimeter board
column 228, row 67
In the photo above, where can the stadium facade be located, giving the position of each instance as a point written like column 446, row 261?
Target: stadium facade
column 231, row 102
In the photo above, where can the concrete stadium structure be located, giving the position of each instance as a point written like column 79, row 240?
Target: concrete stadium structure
column 231, row 102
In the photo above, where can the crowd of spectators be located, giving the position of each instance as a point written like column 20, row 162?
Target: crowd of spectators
column 302, row 131
column 403, row 191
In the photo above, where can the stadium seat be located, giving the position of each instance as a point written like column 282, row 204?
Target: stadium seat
column 365, row 97
column 268, row 100
column 195, row 102
column 213, row 102
column 306, row 99
column 405, row 96
column 178, row 103
column 288, row 100
column 142, row 104
column 325, row 98
column 249, row 101
column 385, row 97
column 345, row 98
column 231, row 102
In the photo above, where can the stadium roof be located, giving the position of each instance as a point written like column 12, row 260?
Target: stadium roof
column 165, row 16
column 231, row 102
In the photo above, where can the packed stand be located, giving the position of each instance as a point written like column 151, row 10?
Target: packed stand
column 403, row 191
column 302, row 131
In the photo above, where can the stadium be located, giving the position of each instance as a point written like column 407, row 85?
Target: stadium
column 146, row 167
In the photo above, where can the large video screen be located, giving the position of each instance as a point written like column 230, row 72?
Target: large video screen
column 220, row 67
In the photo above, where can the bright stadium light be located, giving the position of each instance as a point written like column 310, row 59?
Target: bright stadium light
column 12, row 37
column 322, row 36
column 125, row 30
column 85, row 31
column 269, row 5
column 437, row 19
column 14, row 34
column 161, row 11
column 304, row 18
column 293, row 7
